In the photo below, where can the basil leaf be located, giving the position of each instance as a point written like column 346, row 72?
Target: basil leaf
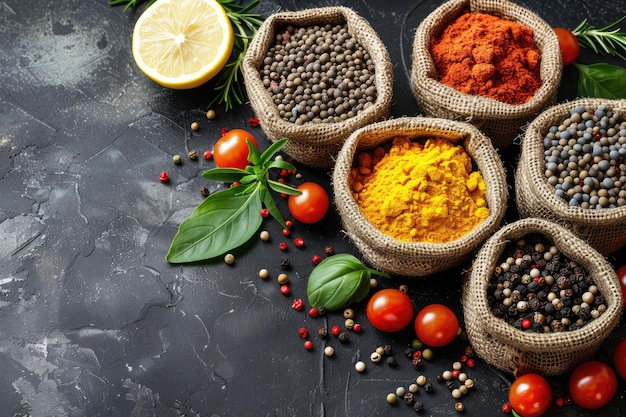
column 225, row 174
column 338, row 281
column 282, row 188
column 223, row 221
column 254, row 157
column 601, row 80
column 268, row 154
column 271, row 206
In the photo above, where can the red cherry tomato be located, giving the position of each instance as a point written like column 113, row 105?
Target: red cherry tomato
column 310, row 206
column 619, row 358
column 621, row 275
column 389, row 310
column 436, row 325
column 530, row 395
column 592, row 384
column 231, row 150
column 568, row 44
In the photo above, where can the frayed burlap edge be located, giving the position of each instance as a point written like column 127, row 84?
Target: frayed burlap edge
column 604, row 230
column 315, row 144
column 499, row 121
column 516, row 351
column 414, row 258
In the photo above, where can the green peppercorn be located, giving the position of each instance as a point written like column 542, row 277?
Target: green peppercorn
column 177, row 159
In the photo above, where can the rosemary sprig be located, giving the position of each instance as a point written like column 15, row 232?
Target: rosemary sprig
column 228, row 84
column 607, row 40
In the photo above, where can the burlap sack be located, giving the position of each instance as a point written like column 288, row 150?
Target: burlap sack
column 499, row 121
column 417, row 258
column 604, row 230
column 315, row 144
column 517, row 351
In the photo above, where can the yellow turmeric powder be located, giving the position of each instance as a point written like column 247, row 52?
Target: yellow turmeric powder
column 419, row 191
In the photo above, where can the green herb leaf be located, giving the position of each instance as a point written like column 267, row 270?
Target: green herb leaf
column 223, row 221
column 338, row 281
column 225, row 174
column 601, row 80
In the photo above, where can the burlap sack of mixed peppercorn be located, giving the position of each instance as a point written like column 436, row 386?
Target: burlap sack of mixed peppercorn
column 414, row 259
column 500, row 121
column 605, row 229
column 518, row 351
column 315, row 144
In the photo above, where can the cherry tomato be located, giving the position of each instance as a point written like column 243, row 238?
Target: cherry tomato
column 592, row 384
column 436, row 325
column 231, row 150
column 310, row 206
column 389, row 310
column 619, row 358
column 568, row 44
column 530, row 395
column 621, row 275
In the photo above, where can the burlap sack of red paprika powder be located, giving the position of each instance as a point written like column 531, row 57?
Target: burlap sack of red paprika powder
column 517, row 351
column 413, row 259
column 315, row 144
column 500, row 121
column 604, row 230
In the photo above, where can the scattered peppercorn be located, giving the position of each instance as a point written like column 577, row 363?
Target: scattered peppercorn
column 193, row 155
column 253, row 121
column 356, row 327
column 210, row 114
column 316, row 259
column 418, row 406
column 329, row 351
column 285, row 290
column 164, row 176
column 195, row 126
column 427, row 354
column 308, row 345
column 282, row 279
column 207, row 155
column 329, row 251
column 298, row 242
column 264, row 273
column 204, row 192
column 314, row 312
column 264, row 235
column 322, row 332
column 343, row 337
column 391, row 361
column 359, row 366
column 229, row 259
column 264, row 212
column 177, row 159
column 459, row 407
column 303, row 332
column 297, row 304
column 335, row 330
column 392, row 398
column 285, row 263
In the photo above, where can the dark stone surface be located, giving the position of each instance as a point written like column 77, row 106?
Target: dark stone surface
column 94, row 322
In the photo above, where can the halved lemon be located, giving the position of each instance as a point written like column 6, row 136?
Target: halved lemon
column 182, row 44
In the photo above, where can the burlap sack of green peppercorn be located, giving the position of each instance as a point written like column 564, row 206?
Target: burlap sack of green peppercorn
column 517, row 351
column 315, row 144
column 413, row 259
column 605, row 229
column 500, row 121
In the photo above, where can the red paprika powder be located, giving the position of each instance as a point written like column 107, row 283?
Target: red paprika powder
column 482, row 54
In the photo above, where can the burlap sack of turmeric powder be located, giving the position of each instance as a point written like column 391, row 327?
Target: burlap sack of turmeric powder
column 498, row 120
column 414, row 259
column 517, row 351
column 315, row 144
column 604, row 230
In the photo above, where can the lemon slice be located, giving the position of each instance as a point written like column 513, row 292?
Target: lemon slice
column 182, row 44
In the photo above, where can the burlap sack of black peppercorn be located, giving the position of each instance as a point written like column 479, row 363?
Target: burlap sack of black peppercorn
column 517, row 351
column 498, row 120
column 604, row 230
column 414, row 259
column 315, row 144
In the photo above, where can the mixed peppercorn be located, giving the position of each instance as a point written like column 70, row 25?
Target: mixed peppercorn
column 537, row 288
column 585, row 158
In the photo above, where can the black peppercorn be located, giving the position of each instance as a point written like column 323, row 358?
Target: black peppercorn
column 409, row 398
column 343, row 337
column 428, row 387
column 285, row 263
column 391, row 361
column 329, row 251
column 417, row 363
column 418, row 406
column 322, row 332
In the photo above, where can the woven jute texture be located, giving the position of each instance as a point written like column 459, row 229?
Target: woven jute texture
column 414, row 259
column 315, row 144
column 498, row 120
column 604, row 230
column 517, row 351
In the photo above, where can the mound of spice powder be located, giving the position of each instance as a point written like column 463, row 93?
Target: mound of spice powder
column 482, row 54
column 419, row 191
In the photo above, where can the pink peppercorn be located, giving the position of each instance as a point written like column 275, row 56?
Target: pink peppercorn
column 286, row 232
column 297, row 304
column 303, row 332
column 316, row 259
column 471, row 362
column 282, row 246
column 299, row 242
column 285, row 290
column 253, row 121
column 506, row 407
column 356, row 327
column 314, row 312
column 208, row 155
column 265, row 212
column 308, row 345
column 335, row 330
column 164, row 176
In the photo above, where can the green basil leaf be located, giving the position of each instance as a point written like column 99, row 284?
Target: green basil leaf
column 271, row 206
column 338, row 281
column 223, row 221
column 225, row 174
column 268, row 154
column 281, row 165
column 282, row 188
column 601, row 80
column 254, row 157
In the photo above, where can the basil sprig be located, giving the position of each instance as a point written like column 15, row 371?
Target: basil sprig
column 338, row 281
column 601, row 80
column 228, row 219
